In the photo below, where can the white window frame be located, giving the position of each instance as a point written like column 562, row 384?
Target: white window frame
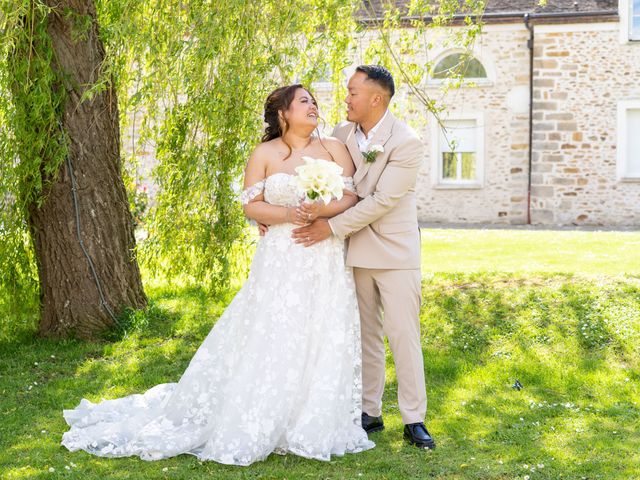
column 625, row 8
column 467, row 81
column 436, row 153
column 623, row 107
column 321, row 87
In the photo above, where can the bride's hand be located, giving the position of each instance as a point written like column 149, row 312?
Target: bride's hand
column 308, row 212
column 295, row 218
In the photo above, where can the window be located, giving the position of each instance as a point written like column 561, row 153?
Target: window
column 459, row 153
column 629, row 20
column 634, row 19
column 321, row 75
column 459, row 63
column 628, row 140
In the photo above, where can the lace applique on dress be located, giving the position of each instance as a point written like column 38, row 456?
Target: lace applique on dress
column 348, row 184
column 280, row 371
column 251, row 192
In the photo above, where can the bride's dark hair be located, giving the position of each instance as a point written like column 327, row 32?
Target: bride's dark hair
column 279, row 101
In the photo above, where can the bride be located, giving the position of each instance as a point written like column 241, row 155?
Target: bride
column 280, row 370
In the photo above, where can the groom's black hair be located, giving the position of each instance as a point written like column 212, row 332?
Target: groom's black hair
column 380, row 75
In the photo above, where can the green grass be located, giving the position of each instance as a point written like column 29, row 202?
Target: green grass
column 525, row 251
column 572, row 339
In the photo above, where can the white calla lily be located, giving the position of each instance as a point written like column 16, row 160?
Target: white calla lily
column 319, row 179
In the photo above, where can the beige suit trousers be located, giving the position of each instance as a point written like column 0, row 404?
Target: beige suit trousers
column 397, row 294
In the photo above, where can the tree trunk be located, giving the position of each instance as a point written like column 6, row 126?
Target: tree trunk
column 71, row 293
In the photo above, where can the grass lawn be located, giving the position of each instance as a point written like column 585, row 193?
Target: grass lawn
column 558, row 311
column 526, row 251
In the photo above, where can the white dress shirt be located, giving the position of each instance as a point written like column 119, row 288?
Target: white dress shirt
column 364, row 140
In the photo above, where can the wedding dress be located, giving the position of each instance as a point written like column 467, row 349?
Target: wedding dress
column 279, row 372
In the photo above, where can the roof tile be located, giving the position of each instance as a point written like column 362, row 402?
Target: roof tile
column 375, row 8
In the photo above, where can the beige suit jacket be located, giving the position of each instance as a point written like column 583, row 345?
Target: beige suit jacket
column 382, row 227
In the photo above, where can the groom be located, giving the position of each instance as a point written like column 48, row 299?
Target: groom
column 384, row 247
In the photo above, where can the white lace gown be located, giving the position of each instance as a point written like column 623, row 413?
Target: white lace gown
column 279, row 372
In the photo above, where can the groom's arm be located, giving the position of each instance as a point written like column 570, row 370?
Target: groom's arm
column 397, row 179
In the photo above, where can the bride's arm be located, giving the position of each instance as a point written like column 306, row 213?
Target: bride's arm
column 253, row 203
column 349, row 199
column 334, row 207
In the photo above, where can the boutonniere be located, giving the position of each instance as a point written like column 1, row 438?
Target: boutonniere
column 374, row 150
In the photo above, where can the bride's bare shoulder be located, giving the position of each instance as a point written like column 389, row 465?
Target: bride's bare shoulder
column 340, row 154
column 335, row 146
column 265, row 149
column 263, row 154
column 333, row 141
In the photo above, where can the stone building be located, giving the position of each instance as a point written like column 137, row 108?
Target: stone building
column 584, row 151
column 581, row 164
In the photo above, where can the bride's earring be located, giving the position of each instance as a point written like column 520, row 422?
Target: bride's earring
column 282, row 122
column 324, row 124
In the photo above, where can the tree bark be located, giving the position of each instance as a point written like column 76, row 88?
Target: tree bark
column 71, row 302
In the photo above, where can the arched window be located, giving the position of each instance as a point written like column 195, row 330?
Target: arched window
column 465, row 65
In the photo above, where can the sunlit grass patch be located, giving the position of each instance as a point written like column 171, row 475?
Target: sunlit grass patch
column 572, row 340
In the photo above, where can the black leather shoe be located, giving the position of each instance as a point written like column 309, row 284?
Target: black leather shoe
column 418, row 435
column 372, row 424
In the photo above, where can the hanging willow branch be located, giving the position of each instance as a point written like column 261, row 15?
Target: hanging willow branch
column 194, row 75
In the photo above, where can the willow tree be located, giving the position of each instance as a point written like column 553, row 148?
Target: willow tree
column 64, row 181
column 73, row 72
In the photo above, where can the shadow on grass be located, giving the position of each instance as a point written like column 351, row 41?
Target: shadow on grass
column 487, row 335
column 479, row 333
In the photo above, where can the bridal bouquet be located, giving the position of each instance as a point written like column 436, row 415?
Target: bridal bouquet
column 319, row 179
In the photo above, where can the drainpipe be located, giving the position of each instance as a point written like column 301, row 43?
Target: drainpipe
column 527, row 20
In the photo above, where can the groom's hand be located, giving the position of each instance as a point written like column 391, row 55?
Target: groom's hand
column 311, row 234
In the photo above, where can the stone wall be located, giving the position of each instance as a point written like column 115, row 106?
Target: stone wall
column 581, row 72
column 503, row 106
column 580, row 76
